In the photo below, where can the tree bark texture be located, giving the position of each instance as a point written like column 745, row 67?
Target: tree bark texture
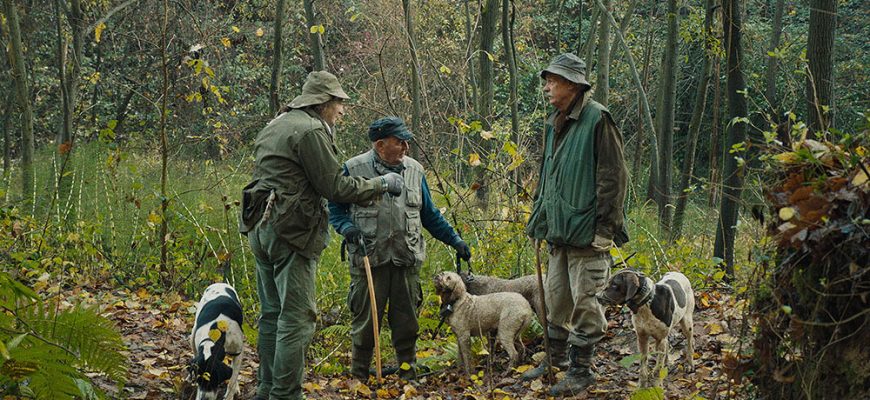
column 315, row 39
column 668, row 93
column 20, row 78
column 695, row 123
column 415, row 68
column 771, row 71
column 489, row 20
column 602, row 77
column 277, row 58
column 820, row 57
column 469, row 39
column 732, row 175
column 507, row 36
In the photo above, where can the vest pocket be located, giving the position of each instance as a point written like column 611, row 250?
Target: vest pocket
column 570, row 225
column 414, row 228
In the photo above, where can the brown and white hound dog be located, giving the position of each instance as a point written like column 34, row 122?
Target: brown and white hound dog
column 655, row 310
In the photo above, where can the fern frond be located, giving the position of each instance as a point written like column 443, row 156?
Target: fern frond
column 46, row 370
column 90, row 337
column 336, row 330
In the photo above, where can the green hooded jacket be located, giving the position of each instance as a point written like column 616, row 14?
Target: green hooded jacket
column 296, row 158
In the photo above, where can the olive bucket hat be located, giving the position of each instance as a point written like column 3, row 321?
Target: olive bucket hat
column 319, row 87
column 568, row 66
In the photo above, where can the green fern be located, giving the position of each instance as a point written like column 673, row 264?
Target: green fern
column 337, row 330
column 45, row 351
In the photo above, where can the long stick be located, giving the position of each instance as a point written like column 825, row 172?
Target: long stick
column 544, row 311
column 374, row 306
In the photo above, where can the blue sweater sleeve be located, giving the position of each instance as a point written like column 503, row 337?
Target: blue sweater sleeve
column 434, row 222
column 339, row 213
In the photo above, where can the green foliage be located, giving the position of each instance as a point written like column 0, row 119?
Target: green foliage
column 47, row 349
column 653, row 393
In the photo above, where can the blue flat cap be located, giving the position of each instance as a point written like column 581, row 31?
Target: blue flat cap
column 389, row 126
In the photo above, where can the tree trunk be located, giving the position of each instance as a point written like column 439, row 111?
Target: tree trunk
column 668, row 93
column 589, row 47
column 623, row 25
column 820, row 57
column 165, row 273
column 732, row 175
column 507, row 37
column 644, row 102
column 7, row 144
column 20, row 78
column 602, row 80
column 315, row 38
column 69, row 71
column 695, row 123
column 277, row 59
column 638, row 154
column 469, row 38
column 579, row 45
column 489, row 20
column 414, row 71
column 715, row 140
column 770, row 74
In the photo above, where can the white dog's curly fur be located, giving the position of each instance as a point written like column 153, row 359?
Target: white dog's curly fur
column 507, row 313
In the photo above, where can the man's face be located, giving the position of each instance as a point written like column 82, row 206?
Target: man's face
column 332, row 111
column 559, row 91
column 392, row 149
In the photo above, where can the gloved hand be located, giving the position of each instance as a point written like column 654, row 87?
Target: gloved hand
column 462, row 250
column 352, row 235
column 394, row 183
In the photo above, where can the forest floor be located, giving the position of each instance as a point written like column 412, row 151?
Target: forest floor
column 156, row 328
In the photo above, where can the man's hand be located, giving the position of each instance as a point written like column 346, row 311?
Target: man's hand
column 601, row 243
column 352, row 235
column 462, row 250
column 394, row 183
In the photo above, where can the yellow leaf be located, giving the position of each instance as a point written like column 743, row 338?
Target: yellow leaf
column 523, row 368
column 714, row 328
column 222, row 325
column 486, row 135
column 98, row 31
column 311, row 387
column 154, row 218
column 445, row 70
column 321, row 29
column 536, row 385
column 226, row 42
column 786, row 158
column 405, row 366
column 474, row 159
column 235, row 29
column 214, row 335
column 259, row 32
column 786, row 213
column 860, row 178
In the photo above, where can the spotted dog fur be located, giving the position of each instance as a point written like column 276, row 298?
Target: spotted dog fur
column 655, row 310
column 217, row 334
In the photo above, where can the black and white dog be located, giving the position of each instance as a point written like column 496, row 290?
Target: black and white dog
column 217, row 335
column 655, row 310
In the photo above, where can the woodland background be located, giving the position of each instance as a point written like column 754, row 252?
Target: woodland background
column 127, row 129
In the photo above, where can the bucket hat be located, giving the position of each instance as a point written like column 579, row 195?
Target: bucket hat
column 568, row 66
column 319, row 87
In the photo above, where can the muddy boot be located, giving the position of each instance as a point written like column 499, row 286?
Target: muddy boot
column 558, row 349
column 579, row 375
column 359, row 366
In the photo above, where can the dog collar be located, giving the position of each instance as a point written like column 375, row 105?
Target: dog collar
column 643, row 297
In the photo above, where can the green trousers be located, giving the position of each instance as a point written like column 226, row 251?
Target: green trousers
column 288, row 310
column 573, row 279
column 398, row 291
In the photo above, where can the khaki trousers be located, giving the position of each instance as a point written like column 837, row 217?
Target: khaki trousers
column 573, row 279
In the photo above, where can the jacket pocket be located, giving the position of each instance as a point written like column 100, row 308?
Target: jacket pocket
column 570, row 225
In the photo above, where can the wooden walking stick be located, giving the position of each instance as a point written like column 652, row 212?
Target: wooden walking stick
column 544, row 322
column 374, row 307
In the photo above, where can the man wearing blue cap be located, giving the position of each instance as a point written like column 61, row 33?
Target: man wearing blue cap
column 391, row 230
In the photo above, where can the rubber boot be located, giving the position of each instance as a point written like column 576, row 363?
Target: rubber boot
column 579, row 375
column 407, row 357
column 558, row 348
column 360, row 361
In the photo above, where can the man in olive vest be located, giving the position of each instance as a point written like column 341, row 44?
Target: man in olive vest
column 390, row 232
column 578, row 210
column 285, row 218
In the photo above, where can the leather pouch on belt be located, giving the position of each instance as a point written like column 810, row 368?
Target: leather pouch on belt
column 253, row 206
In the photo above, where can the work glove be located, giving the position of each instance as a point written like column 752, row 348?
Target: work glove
column 352, row 235
column 462, row 250
column 393, row 183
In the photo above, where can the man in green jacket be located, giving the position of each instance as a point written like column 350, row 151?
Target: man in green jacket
column 393, row 241
column 285, row 218
column 578, row 210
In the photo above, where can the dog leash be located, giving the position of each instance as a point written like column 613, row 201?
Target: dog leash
column 444, row 312
column 459, row 267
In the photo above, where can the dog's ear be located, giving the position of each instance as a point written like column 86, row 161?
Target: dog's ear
column 632, row 284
